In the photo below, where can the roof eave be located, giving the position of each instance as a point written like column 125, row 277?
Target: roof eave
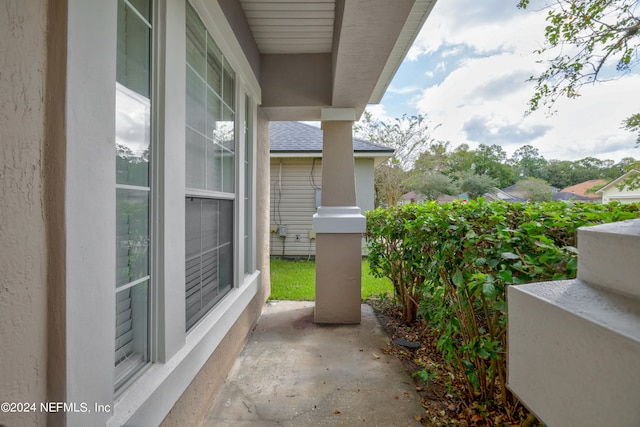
column 418, row 16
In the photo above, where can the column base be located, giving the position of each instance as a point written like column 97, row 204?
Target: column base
column 338, row 278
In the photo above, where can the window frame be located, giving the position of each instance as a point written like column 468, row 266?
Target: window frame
column 178, row 356
column 237, row 196
column 126, row 372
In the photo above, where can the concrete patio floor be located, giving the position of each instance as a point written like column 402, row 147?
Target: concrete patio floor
column 293, row 372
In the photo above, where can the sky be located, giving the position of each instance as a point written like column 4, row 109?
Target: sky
column 467, row 74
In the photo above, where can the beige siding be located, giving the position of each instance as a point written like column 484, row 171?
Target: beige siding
column 293, row 201
column 623, row 196
column 365, row 183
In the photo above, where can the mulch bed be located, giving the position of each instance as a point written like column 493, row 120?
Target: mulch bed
column 439, row 388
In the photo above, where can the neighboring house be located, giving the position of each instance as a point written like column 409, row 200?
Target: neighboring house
column 412, row 197
column 563, row 195
column 503, row 195
column 611, row 192
column 134, row 159
column 296, row 177
column 582, row 188
column 517, row 194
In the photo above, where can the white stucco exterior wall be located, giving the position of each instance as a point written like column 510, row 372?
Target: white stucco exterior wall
column 572, row 336
column 23, row 291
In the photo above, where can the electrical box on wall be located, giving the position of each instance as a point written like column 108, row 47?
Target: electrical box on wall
column 282, row 231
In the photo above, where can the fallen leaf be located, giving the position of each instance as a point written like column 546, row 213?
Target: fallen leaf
column 396, row 397
column 476, row 418
column 336, row 412
column 375, row 356
column 417, row 417
column 406, row 394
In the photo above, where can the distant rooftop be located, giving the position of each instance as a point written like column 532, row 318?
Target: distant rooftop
column 297, row 137
column 581, row 189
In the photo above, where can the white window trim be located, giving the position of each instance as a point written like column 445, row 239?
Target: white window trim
column 152, row 395
column 214, row 19
column 150, row 398
column 90, row 312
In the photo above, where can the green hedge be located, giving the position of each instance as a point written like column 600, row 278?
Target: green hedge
column 453, row 262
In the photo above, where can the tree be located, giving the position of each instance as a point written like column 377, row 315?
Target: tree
column 477, row 185
column 560, row 173
column 490, row 160
column 535, row 189
column 461, row 160
column 407, row 135
column 435, row 159
column 528, row 163
column 391, row 182
column 591, row 36
column 436, row 184
column 632, row 124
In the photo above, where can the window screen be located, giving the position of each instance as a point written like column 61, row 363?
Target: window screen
column 209, row 254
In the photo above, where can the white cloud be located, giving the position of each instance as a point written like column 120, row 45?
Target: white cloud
column 404, row 90
column 482, row 25
column 484, row 97
column 485, row 100
column 378, row 112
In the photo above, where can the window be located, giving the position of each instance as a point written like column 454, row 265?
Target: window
column 210, row 171
column 209, row 253
column 133, row 191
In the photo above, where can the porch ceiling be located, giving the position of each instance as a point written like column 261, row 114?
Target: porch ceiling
column 291, row 26
column 330, row 53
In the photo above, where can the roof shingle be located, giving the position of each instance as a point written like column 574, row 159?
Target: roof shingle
column 296, row 137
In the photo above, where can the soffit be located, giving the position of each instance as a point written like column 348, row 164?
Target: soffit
column 291, row 26
column 366, row 40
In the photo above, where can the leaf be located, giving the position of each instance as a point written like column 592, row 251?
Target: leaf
column 457, row 278
column 506, row 275
column 543, row 245
column 488, row 289
column 509, row 255
column 572, row 249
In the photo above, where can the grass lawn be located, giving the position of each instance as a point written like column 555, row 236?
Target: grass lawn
column 296, row 281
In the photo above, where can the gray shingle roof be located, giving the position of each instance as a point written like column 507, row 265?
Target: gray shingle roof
column 296, row 137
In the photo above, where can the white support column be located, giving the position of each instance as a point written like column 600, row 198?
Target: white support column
column 338, row 224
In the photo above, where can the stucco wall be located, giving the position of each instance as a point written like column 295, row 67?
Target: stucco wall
column 263, row 202
column 23, row 326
